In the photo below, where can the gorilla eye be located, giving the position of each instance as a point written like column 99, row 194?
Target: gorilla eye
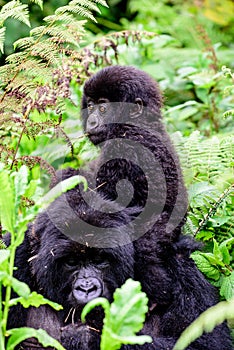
column 90, row 106
column 71, row 262
column 102, row 108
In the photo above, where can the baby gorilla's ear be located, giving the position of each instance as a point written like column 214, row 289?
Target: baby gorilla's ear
column 137, row 109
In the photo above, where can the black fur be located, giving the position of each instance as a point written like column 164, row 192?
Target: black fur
column 159, row 257
column 43, row 261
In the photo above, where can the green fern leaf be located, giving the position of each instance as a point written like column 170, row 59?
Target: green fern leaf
column 38, row 2
column 24, row 43
column 87, row 4
column 2, row 38
column 15, row 9
column 101, row 2
column 76, row 9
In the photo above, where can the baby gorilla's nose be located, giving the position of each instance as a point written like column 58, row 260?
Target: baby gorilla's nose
column 86, row 289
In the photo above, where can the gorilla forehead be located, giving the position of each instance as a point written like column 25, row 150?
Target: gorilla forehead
column 122, row 84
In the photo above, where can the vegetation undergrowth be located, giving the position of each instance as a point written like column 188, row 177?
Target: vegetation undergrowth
column 40, row 91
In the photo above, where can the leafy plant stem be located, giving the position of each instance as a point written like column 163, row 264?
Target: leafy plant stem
column 26, row 116
column 8, row 288
column 1, row 333
column 214, row 208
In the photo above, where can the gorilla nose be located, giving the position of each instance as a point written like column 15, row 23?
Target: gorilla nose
column 92, row 123
column 86, row 289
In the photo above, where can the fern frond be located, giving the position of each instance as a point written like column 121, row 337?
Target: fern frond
column 204, row 158
column 24, row 43
column 69, row 35
column 15, row 59
column 101, row 2
column 15, row 9
column 2, row 38
column 38, row 2
column 208, row 169
column 214, row 208
column 77, row 10
column 64, row 18
column 47, row 51
column 229, row 113
column 87, row 4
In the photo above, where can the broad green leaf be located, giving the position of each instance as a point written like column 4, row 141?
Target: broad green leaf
column 127, row 312
column 63, row 187
column 220, row 12
column 206, row 322
column 135, row 339
column 123, row 318
column 35, row 299
column 216, row 251
column 92, row 304
column 4, row 255
column 17, row 335
column 7, row 203
column 31, row 189
column 227, row 287
column 187, row 112
column 224, row 250
column 214, row 260
column 19, row 287
column 205, row 266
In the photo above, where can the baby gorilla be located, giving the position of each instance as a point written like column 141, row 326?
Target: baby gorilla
column 71, row 256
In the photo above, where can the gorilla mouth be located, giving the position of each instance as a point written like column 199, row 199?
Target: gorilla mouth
column 94, row 138
column 97, row 136
column 86, row 290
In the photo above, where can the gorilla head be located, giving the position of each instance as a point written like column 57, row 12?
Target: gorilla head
column 117, row 94
column 75, row 261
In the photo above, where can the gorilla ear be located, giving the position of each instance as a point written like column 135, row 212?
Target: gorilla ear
column 137, row 109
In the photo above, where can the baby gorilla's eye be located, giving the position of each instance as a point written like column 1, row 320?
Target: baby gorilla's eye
column 90, row 106
column 102, row 108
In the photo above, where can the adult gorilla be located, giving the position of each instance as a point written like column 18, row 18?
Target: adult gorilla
column 71, row 255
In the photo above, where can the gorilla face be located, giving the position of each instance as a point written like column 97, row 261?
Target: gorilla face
column 73, row 273
column 118, row 94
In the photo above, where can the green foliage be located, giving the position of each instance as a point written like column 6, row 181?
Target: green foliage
column 208, row 172
column 206, row 322
column 216, row 266
column 14, row 9
column 207, row 165
column 123, row 318
column 180, row 19
column 63, row 187
column 40, row 91
column 14, row 218
column 17, row 335
column 47, row 48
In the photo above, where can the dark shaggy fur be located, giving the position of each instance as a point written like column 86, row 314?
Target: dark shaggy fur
column 67, row 249
column 52, row 263
column 160, row 260
column 136, row 149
